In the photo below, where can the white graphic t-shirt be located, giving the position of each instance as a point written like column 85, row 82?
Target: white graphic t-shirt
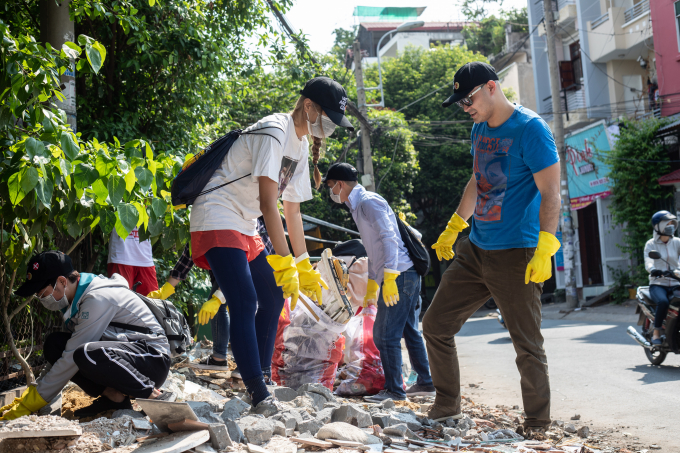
column 282, row 159
column 131, row 251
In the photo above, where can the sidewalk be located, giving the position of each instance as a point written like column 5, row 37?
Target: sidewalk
column 605, row 313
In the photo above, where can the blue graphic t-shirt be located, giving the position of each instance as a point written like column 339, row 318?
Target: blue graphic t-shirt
column 505, row 159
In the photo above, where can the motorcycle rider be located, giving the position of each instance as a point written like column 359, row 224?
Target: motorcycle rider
column 661, row 288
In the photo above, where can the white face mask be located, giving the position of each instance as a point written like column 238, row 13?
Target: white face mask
column 53, row 304
column 321, row 128
column 334, row 197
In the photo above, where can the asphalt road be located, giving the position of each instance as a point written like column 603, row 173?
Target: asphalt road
column 596, row 371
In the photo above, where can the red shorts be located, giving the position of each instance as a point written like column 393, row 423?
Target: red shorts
column 202, row 241
column 134, row 274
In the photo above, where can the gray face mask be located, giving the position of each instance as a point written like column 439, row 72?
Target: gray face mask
column 669, row 230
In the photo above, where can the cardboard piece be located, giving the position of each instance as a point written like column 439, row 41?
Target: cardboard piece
column 175, row 443
column 163, row 412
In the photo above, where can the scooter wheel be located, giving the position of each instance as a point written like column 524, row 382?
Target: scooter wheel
column 656, row 357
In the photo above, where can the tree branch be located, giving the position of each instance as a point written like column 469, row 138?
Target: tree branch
column 80, row 239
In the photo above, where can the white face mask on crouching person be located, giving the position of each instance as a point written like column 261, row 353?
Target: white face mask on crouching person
column 53, row 304
column 321, row 128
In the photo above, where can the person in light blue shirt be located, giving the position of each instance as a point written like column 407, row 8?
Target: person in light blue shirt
column 389, row 264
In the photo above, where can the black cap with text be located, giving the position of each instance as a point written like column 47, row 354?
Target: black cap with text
column 468, row 77
column 331, row 97
column 42, row 270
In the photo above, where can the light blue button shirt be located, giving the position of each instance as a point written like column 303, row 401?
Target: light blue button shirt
column 379, row 231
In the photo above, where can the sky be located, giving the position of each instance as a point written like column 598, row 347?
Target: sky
column 318, row 18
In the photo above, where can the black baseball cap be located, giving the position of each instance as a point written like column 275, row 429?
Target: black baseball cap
column 331, row 97
column 42, row 270
column 341, row 172
column 469, row 76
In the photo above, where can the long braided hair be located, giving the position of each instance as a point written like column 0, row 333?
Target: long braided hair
column 318, row 144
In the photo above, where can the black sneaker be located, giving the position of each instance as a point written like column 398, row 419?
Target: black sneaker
column 210, row 363
column 421, row 390
column 382, row 396
column 102, row 404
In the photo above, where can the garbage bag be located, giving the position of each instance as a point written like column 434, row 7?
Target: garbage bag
column 362, row 373
column 308, row 346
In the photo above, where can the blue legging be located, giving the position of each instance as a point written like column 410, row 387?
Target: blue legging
column 661, row 296
column 255, row 303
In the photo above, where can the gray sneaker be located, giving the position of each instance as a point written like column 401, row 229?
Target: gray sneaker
column 439, row 413
column 421, row 390
column 382, row 396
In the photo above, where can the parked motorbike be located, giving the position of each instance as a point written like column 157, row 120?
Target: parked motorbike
column 500, row 319
column 646, row 308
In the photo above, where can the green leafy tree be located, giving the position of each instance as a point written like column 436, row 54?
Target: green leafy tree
column 440, row 135
column 486, row 37
column 635, row 164
column 344, row 38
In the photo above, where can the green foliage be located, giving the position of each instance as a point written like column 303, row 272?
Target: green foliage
column 636, row 194
column 487, row 35
column 510, row 94
column 54, row 183
column 344, row 39
column 440, row 135
column 624, row 279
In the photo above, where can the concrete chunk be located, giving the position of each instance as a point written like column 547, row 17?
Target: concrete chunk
column 234, row 409
column 317, row 388
column 284, row 394
column 410, row 420
column 219, row 436
column 348, row 413
column 279, row 428
column 234, row 430
column 324, row 415
column 311, row 426
column 256, row 430
column 317, row 399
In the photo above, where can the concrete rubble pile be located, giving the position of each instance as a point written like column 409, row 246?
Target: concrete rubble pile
column 310, row 418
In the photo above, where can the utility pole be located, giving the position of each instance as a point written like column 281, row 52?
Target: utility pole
column 566, row 222
column 56, row 28
column 367, row 180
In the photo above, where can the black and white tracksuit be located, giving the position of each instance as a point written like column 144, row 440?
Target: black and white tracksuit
column 96, row 355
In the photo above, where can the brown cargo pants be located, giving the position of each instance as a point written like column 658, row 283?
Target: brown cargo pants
column 469, row 281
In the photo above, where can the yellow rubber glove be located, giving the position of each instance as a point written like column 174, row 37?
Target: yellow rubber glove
column 30, row 402
column 371, row 297
column 390, row 290
column 310, row 279
column 539, row 268
column 209, row 310
column 444, row 245
column 166, row 291
column 286, row 276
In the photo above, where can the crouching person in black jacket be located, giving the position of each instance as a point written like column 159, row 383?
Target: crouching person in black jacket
column 109, row 363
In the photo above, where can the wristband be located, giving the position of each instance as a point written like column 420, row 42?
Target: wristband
column 220, row 296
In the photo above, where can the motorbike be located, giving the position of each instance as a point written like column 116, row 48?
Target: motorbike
column 646, row 308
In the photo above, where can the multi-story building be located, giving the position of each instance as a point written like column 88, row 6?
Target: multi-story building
column 370, row 33
column 606, row 59
column 607, row 67
column 665, row 14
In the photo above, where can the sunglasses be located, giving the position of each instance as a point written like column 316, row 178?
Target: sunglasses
column 467, row 100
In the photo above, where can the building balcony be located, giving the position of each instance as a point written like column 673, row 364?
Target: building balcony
column 620, row 34
column 573, row 107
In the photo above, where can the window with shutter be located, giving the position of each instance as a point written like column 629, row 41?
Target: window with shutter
column 566, row 74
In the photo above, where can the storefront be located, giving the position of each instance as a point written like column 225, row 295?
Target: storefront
column 596, row 237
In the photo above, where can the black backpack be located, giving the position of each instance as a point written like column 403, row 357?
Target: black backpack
column 172, row 320
column 416, row 249
column 197, row 171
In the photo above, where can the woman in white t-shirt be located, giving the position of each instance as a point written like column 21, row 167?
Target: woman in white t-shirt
column 273, row 154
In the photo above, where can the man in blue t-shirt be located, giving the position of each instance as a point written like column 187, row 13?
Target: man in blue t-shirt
column 513, row 199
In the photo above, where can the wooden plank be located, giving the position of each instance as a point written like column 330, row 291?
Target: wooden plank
column 43, row 433
column 187, row 425
column 175, row 443
column 311, row 441
column 35, row 369
column 348, row 444
column 198, row 366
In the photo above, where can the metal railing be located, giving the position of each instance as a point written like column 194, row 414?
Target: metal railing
column 636, row 11
column 599, row 21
